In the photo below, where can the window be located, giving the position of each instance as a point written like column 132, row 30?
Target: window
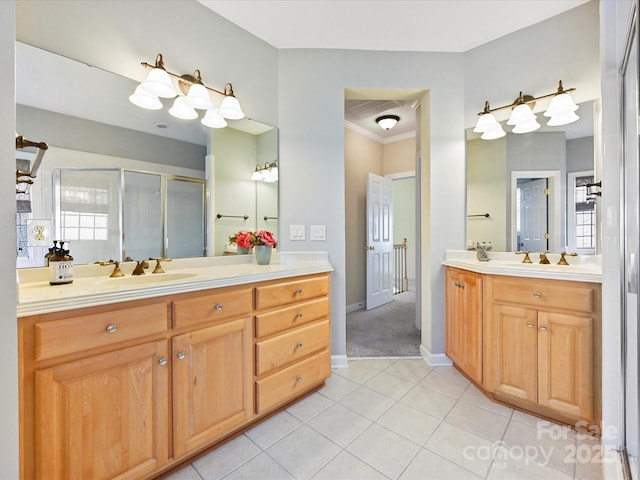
column 581, row 214
column 84, row 212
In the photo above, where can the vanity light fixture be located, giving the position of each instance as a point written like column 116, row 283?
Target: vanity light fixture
column 561, row 111
column 387, row 122
column 266, row 173
column 191, row 94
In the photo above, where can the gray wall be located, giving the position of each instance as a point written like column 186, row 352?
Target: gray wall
column 87, row 136
column 580, row 154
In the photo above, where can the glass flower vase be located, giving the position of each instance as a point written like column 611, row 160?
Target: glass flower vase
column 263, row 254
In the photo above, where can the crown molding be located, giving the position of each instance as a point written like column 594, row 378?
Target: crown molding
column 377, row 138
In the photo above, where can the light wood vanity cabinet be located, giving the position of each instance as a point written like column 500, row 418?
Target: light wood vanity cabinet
column 131, row 389
column 463, row 290
column 541, row 349
column 539, row 338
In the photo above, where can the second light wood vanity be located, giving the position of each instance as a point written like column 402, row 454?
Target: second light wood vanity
column 130, row 388
column 528, row 339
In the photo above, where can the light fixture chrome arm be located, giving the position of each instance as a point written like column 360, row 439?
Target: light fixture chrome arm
column 526, row 99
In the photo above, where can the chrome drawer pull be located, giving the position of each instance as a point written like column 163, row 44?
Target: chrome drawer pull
column 219, row 306
column 298, row 315
column 299, row 379
column 537, row 294
column 530, row 324
column 298, row 291
column 163, row 361
column 112, row 328
column 299, row 346
column 181, row 356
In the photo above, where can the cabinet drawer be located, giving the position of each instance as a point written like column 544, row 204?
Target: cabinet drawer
column 278, row 294
column 286, row 384
column 75, row 334
column 286, row 318
column 286, row 348
column 551, row 294
column 211, row 306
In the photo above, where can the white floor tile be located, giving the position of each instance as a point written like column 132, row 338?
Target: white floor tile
column 445, row 382
column 463, row 448
column 429, row 401
column 412, row 370
column 428, row 465
column 303, row 452
column 337, row 387
column 187, row 473
column 389, row 385
column 226, row 458
column 339, row 424
column 476, row 397
column 310, row 406
column 270, row 431
column 384, row 450
column 412, row 424
column 367, row 403
column 377, row 363
column 347, row 467
column 262, row 467
column 477, row 420
column 512, row 464
column 358, row 372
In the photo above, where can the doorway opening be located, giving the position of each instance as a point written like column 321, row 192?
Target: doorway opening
column 380, row 231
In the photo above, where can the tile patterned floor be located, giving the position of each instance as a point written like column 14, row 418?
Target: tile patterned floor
column 385, row 418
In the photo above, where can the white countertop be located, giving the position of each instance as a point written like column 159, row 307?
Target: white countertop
column 583, row 268
column 92, row 285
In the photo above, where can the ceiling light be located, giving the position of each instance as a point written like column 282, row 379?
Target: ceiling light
column 561, row 110
column 387, row 122
column 192, row 93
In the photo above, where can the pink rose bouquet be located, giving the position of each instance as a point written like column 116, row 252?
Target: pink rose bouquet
column 242, row 239
column 263, row 237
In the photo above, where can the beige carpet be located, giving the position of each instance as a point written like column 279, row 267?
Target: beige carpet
column 386, row 331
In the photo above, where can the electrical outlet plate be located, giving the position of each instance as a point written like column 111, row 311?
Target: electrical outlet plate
column 318, row 232
column 296, row 232
column 39, row 233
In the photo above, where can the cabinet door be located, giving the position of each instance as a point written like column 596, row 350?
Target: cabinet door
column 212, row 383
column 103, row 417
column 511, row 352
column 565, row 357
column 464, row 321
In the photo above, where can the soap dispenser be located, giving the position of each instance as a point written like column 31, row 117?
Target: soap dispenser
column 60, row 267
column 51, row 253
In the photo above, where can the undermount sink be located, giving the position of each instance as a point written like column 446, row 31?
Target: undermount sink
column 148, row 279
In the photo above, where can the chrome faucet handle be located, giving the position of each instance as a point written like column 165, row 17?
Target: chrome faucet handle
column 116, row 271
column 563, row 260
column 543, row 258
column 140, row 266
column 526, row 253
column 158, row 268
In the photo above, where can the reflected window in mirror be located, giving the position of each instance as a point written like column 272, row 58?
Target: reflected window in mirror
column 581, row 214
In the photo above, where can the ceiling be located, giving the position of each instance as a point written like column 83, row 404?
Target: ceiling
column 401, row 25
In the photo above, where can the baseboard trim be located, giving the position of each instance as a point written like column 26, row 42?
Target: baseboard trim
column 435, row 359
column 354, row 307
column 339, row 361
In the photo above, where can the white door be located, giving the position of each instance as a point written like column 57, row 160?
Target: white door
column 533, row 216
column 379, row 245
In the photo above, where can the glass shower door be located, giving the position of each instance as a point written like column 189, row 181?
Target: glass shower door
column 142, row 215
column 185, row 212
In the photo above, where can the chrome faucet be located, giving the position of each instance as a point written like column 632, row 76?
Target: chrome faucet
column 543, row 258
column 140, row 266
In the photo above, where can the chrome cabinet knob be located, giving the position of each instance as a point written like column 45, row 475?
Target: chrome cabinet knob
column 219, row 307
column 299, row 346
column 181, row 356
column 298, row 291
column 298, row 315
column 543, row 327
column 530, row 324
column 112, row 328
column 162, row 361
column 537, row 294
column 299, row 379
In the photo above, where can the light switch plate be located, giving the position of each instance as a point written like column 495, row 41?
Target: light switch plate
column 39, row 233
column 296, row 232
column 318, row 232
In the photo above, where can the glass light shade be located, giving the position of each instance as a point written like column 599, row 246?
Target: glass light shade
column 271, row 174
column 158, row 83
column 198, row 97
column 387, row 123
column 144, row 99
column 230, row 108
column 526, row 127
column 213, row 119
column 561, row 104
column 493, row 132
column 257, row 174
column 485, row 121
column 564, row 119
column 181, row 110
column 522, row 113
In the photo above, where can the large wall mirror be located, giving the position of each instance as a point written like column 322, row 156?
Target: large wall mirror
column 155, row 183
column 530, row 191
